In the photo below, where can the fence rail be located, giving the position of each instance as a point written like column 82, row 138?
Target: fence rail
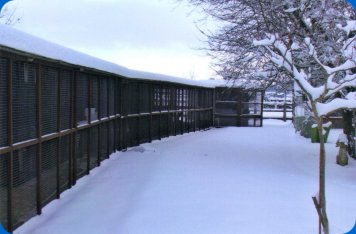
column 58, row 121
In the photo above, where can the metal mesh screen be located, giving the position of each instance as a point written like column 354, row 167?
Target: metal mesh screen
column 111, row 96
column 103, row 97
column 81, row 153
column 164, row 125
column 144, row 98
column 94, row 134
column 82, row 99
column 144, row 129
column 49, row 95
column 117, row 135
column 3, row 101
column 3, row 189
column 133, row 98
column 65, row 96
column 103, row 141
column 94, row 98
column 24, row 101
column 24, row 185
column 111, row 137
column 118, row 97
column 64, row 157
column 165, row 98
column 48, row 171
column 156, row 93
column 132, row 133
column 172, row 124
column 185, row 119
column 155, row 127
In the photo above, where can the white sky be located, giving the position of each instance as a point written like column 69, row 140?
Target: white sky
column 151, row 35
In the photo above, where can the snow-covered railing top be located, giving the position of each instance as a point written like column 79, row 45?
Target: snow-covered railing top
column 21, row 41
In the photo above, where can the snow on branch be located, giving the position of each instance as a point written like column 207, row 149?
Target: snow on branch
column 349, row 27
column 343, row 67
column 336, row 104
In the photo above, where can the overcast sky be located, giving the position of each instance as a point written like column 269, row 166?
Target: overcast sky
column 152, row 35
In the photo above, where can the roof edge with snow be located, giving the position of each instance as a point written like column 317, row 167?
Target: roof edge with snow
column 14, row 40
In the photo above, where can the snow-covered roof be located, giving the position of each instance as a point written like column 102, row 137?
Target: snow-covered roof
column 222, row 83
column 21, row 41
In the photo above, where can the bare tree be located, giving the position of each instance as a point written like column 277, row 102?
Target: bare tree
column 312, row 41
column 8, row 14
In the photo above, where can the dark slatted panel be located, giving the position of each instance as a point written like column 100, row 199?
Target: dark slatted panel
column 103, row 97
column 24, row 101
column 48, row 171
column 65, row 96
column 82, row 99
column 24, row 187
column 49, row 89
column 64, row 157
column 111, row 96
column 144, row 98
column 4, row 72
column 111, row 137
column 155, row 127
column 94, row 98
column 144, row 129
column 3, row 190
column 81, row 153
column 103, row 141
column 94, row 134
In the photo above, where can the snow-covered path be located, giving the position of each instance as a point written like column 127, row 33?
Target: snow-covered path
column 221, row 181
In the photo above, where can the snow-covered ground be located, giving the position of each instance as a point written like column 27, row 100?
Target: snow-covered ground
column 221, row 181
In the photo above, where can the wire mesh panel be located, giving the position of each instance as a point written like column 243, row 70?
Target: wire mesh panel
column 24, row 185
column 64, row 157
column 94, row 98
column 24, row 101
column 165, row 98
column 155, row 127
column 49, row 94
column 156, row 93
column 144, row 98
column 103, row 141
column 185, row 119
column 117, row 96
column 132, row 132
column 3, row 190
column 65, row 96
column 133, row 98
column 81, row 153
column 111, row 96
column 117, row 135
column 103, row 83
column 164, row 125
column 49, row 171
column 111, row 137
column 82, row 99
column 94, row 134
column 144, row 129
column 4, row 72
column 172, row 124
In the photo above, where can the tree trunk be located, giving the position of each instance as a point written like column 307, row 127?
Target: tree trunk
column 322, row 196
column 349, row 130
